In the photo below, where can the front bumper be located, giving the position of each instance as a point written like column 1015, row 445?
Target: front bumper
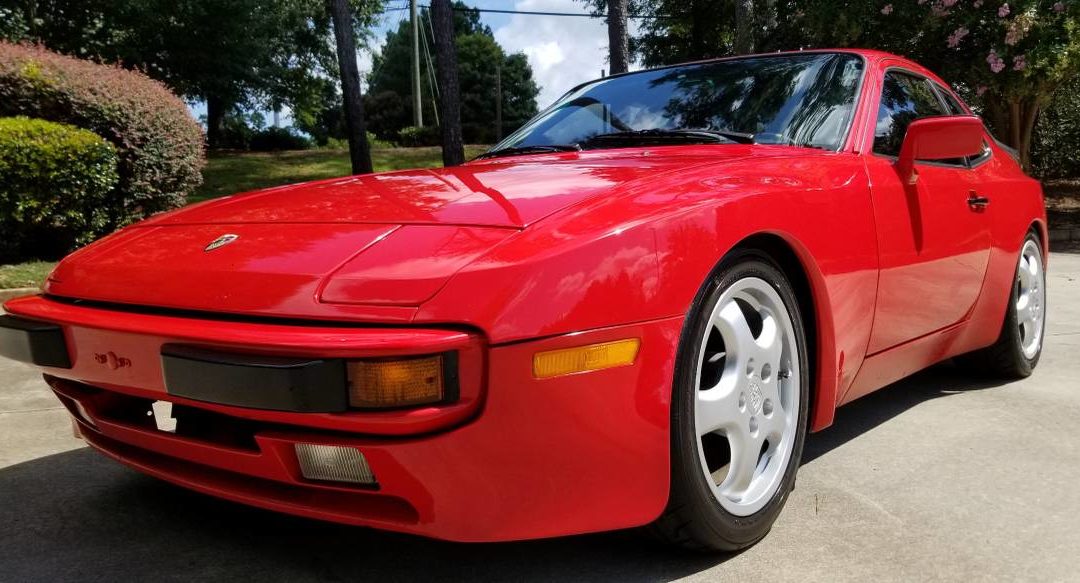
column 513, row 458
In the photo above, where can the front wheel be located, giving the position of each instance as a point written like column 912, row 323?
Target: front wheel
column 739, row 408
column 1016, row 352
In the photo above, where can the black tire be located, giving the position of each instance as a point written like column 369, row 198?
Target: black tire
column 1005, row 358
column 694, row 517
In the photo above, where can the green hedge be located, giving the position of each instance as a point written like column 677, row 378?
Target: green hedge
column 55, row 181
column 158, row 144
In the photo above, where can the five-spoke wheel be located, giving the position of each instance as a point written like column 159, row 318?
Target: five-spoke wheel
column 746, row 410
column 739, row 407
column 1019, row 344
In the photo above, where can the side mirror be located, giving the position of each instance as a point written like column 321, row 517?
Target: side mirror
column 939, row 138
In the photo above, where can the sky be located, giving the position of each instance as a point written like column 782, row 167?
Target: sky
column 563, row 51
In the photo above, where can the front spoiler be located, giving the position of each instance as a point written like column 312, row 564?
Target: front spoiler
column 539, row 458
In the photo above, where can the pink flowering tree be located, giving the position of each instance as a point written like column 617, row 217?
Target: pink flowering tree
column 1007, row 58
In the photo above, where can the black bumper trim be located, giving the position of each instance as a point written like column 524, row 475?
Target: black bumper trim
column 33, row 341
column 301, row 385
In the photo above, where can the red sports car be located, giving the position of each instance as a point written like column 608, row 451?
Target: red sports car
column 630, row 312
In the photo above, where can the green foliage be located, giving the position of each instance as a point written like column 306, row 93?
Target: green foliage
column 274, row 139
column 55, row 185
column 158, row 144
column 389, row 107
column 1057, row 139
column 229, row 53
column 412, row 136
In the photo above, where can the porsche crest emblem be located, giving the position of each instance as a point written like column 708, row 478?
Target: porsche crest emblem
column 221, row 242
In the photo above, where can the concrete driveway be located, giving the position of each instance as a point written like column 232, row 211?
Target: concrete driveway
column 936, row 477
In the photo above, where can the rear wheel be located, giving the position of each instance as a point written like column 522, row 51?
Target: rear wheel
column 1016, row 352
column 739, row 408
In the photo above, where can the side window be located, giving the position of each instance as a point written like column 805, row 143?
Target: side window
column 904, row 99
column 951, row 103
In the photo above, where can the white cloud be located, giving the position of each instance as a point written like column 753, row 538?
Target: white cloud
column 562, row 50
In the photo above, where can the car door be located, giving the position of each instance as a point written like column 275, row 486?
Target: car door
column 933, row 236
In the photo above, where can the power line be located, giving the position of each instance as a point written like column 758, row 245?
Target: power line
column 539, row 13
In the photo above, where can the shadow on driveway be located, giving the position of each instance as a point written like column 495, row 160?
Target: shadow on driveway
column 77, row 515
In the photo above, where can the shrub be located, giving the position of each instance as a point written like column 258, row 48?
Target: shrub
column 55, row 180
column 1057, row 135
column 158, row 144
column 275, row 138
column 413, row 136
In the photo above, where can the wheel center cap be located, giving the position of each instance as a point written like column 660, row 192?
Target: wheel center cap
column 755, row 397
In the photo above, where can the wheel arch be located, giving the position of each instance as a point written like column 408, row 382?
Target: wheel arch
column 806, row 279
column 1038, row 226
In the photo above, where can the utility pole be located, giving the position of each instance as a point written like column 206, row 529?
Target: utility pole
column 498, row 102
column 418, row 109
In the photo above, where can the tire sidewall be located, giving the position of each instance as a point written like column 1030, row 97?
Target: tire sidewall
column 1026, row 365
column 730, row 530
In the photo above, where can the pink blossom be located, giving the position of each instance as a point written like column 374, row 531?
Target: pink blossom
column 997, row 64
column 978, row 3
column 1059, row 7
column 939, row 10
column 1019, row 63
column 1003, row 11
column 949, row 3
column 957, row 36
column 1012, row 36
column 887, row 10
column 921, row 2
column 980, row 90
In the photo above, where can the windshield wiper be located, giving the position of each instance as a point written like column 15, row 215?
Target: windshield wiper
column 521, row 150
column 686, row 136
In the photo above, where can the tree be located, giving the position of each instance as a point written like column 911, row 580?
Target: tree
column 744, row 27
column 676, row 31
column 477, row 55
column 618, row 39
column 359, row 150
column 231, row 54
column 453, row 148
column 1007, row 58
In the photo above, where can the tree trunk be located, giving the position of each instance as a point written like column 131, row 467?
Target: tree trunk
column 359, row 151
column 618, row 39
column 699, row 33
column 744, row 27
column 442, row 21
column 215, row 121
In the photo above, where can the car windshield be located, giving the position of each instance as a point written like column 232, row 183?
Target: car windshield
column 804, row 99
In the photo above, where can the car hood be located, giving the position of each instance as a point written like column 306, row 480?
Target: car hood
column 390, row 239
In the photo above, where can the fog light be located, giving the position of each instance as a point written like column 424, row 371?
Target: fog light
column 396, row 383
column 555, row 363
column 332, row 463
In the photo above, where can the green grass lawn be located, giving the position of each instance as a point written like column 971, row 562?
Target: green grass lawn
column 24, row 274
column 231, row 172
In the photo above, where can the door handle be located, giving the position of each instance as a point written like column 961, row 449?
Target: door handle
column 977, row 202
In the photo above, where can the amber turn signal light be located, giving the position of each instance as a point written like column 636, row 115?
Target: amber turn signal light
column 378, row 384
column 566, row 361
